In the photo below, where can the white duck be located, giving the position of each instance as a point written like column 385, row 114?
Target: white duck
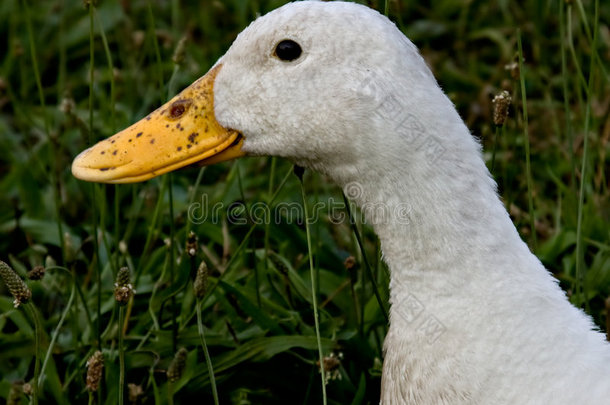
column 336, row 87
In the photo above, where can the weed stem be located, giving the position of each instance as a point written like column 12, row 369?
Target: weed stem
column 206, row 353
column 528, row 167
column 37, row 337
column 313, row 292
column 121, row 355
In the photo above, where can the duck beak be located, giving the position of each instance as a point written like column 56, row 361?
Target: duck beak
column 181, row 132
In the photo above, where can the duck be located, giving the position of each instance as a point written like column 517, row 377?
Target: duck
column 335, row 87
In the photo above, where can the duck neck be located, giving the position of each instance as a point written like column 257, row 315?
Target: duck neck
column 443, row 233
column 433, row 212
column 467, row 296
column 443, row 230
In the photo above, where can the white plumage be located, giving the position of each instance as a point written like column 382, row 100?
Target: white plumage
column 475, row 317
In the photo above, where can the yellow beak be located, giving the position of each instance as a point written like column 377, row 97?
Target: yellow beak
column 181, row 132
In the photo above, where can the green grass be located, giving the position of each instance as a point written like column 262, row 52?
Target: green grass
column 70, row 76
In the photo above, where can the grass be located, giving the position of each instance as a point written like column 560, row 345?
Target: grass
column 70, row 75
column 314, row 289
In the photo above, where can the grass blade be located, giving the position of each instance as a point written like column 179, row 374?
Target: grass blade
column 208, row 359
column 314, row 299
column 528, row 165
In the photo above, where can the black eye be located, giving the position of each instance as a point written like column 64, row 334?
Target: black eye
column 288, row 50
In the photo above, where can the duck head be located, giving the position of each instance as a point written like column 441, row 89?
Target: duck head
column 314, row 82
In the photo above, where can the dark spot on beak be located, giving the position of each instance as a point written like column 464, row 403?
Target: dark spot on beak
column 192, row 137
column 139, row 134
column 152, row 141
column 115, row 151
column 189, row 146
column 102, row 152
column 112, row 141
column 178, row 108
column 179, row 148
column 103, row 169
column 129, row 139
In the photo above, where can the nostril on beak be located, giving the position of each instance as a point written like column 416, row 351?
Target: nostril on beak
column 178, row 108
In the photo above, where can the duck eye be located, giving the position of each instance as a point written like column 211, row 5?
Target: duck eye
column 288, row 50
